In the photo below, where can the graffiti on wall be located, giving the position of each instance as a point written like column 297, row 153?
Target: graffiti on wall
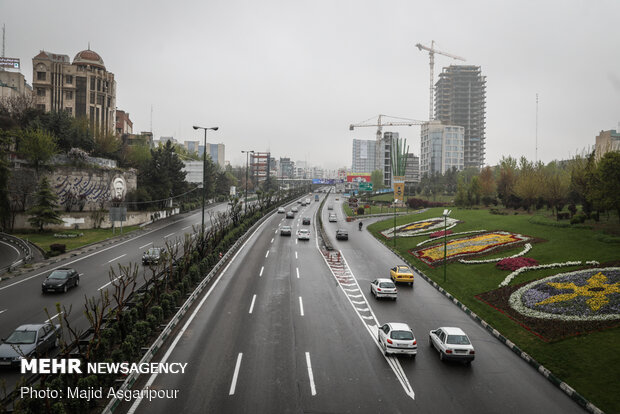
column 83, row 187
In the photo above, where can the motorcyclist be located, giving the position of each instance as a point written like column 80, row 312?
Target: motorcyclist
column 360, row 226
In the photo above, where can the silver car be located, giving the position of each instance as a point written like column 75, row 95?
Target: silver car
column 452, row 344
column 28, row 341
column 303, row 234
column 397, row 338
column 383, row 288
column 285, row 231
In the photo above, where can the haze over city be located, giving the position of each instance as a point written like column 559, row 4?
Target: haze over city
column 290, row 77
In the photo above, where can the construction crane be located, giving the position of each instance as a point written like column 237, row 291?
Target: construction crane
column 431, row 53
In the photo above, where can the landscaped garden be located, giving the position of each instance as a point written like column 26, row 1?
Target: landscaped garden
column 551, row 288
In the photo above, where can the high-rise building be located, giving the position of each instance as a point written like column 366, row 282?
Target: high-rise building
column 287, row 168
column 412, row 169
column 460, row 99
column 363, row 156
column 216, row 151
column 83, row 88
column 192, row 146
column 442, row 148
column 386, row 156
column 607, row 141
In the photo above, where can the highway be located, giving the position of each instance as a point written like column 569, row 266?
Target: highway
column 288, row 328
column 21, row 300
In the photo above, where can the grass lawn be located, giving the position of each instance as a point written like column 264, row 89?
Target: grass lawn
column 45, row 239
column 588, row 362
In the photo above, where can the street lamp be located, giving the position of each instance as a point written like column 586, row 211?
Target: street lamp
column 446, row 213
column 247, row 157
column 394, row 206
column 204, row 172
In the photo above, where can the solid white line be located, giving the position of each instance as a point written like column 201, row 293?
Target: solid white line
column 296, row 240
column 261, row 271
column 297, row 269
column 116, row 258
column 295, row 255
column 252, row 305
column 312, row 386
column 52, row 318
column 142, row 247
column 233, row 385
column 152, row 378
column 12, row 247
column 301, row 306
column 267, row 254
column 271, row 240
column 185, row 228
column 168, row 235
column 3, row 310
column 109, row 283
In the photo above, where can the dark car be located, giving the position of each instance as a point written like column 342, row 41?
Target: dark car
column 60, row 280
column 285, row 231
column 342, row 234
column 153, row 255
column 28, row 341
column 306, row 220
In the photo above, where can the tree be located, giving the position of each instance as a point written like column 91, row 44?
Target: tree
column 487, row 184
column 105, row 144
column 376, row 177
column 43, row 212
column 556, row 186
column 163, row 177
column 5, row 174
column 506, row 181
column 37, row 146
column 474, row 191
column 609, row 181
column 528, row 185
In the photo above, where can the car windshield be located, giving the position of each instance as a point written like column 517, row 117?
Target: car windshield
column 404, row 270
column 303, row 231
column 59, row 275
column 21, row 337
column 458, row 340
column 153, row 251
column 386, row 285
column 286, row 228
column 402, row 335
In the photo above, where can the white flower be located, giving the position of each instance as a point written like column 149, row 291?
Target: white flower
column 528, row 247
column 452, row 234
column 517, row 272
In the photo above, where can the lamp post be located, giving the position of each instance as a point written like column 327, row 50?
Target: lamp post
column 247, row 157
column 446, row 213
column 204, row 172
column 394, row 206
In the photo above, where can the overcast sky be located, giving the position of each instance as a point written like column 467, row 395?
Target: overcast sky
column 290, row 76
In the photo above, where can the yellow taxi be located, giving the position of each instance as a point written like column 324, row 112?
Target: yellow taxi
column 402, row 273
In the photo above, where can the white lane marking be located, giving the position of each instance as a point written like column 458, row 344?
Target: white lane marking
column 363, row 309
column 366, row 317
column 309, row 364
column 301, row 306
column 168, row 235
column 267, row 254
column 354, row 296
column 296, row 240
column 152, row 378
column 295, row 255
column 12, row 247
column 271, row 240
column 252, row 305
column 116, row 258
column 261, row 271
column 3, row 310
column 358, row 302
column 233, row 385
column 351, row 290
column 142, row 247
column 276, row 231
column 185, row 228
column 297, row 270
column 109, row 283
column 52, row 318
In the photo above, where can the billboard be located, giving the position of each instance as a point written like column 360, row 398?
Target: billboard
column 399, row 187
column 7, row 62
column 326, row 181
column 358, row 178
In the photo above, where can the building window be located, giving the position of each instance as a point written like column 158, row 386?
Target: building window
column 41, row 107
column 40, row 92
column 99, row 85
column 69, row 94
column 99, row 99
column 41, row 76
column 69, row 79
column 92, row 83
column 69, row 110
column 92, row 98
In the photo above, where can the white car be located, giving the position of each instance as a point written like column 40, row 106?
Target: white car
column 452, row 344
column 333, row 218
column 383, row 288
column 303, row 234
column 294, row 209
column 397, row 338
column 281, row 210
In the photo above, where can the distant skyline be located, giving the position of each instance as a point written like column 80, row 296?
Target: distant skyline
column 289, row 77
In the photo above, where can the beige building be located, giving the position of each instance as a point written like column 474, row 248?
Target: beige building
column 13, row 84
column 83, row 88
column 607, row 141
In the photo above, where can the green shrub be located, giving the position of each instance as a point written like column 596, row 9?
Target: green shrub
column 578, row 219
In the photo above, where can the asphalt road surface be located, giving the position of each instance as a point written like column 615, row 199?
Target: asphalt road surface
column 9, row 254
column 287, row 329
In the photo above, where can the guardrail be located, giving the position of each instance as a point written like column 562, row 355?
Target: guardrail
column 21, row 245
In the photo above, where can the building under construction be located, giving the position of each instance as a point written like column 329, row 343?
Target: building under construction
column 260, row 167
column 460, row 99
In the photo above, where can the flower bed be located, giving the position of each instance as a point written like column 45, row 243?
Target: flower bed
column 547, row 266
column 514, row 263
column 420, row 228
column 440, row 234
column 562, row 305
column 466, row 246
column 527, row 248
column 452, row 234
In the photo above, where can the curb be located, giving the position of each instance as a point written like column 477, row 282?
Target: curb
column 568, row 390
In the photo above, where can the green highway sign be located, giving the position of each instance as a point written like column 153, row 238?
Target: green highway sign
column 365, row 186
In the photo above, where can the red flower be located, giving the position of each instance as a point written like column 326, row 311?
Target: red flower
column 440, row 233
column 514, row 263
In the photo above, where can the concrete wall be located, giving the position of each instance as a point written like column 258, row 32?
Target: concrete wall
column 84, row 220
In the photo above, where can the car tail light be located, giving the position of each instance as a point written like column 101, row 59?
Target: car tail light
column 448, row 351
column 415, row 342
column 472, row 352
column 389, row 341
column 378, row 289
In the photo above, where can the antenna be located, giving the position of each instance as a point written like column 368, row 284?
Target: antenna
column 3, row 33
column 152, row 120
column 536, row 148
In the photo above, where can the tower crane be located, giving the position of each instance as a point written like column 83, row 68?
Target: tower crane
column 431, row 53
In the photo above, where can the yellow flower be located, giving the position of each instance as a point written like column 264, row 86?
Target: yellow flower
column 471, row 245
column 595, row 288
